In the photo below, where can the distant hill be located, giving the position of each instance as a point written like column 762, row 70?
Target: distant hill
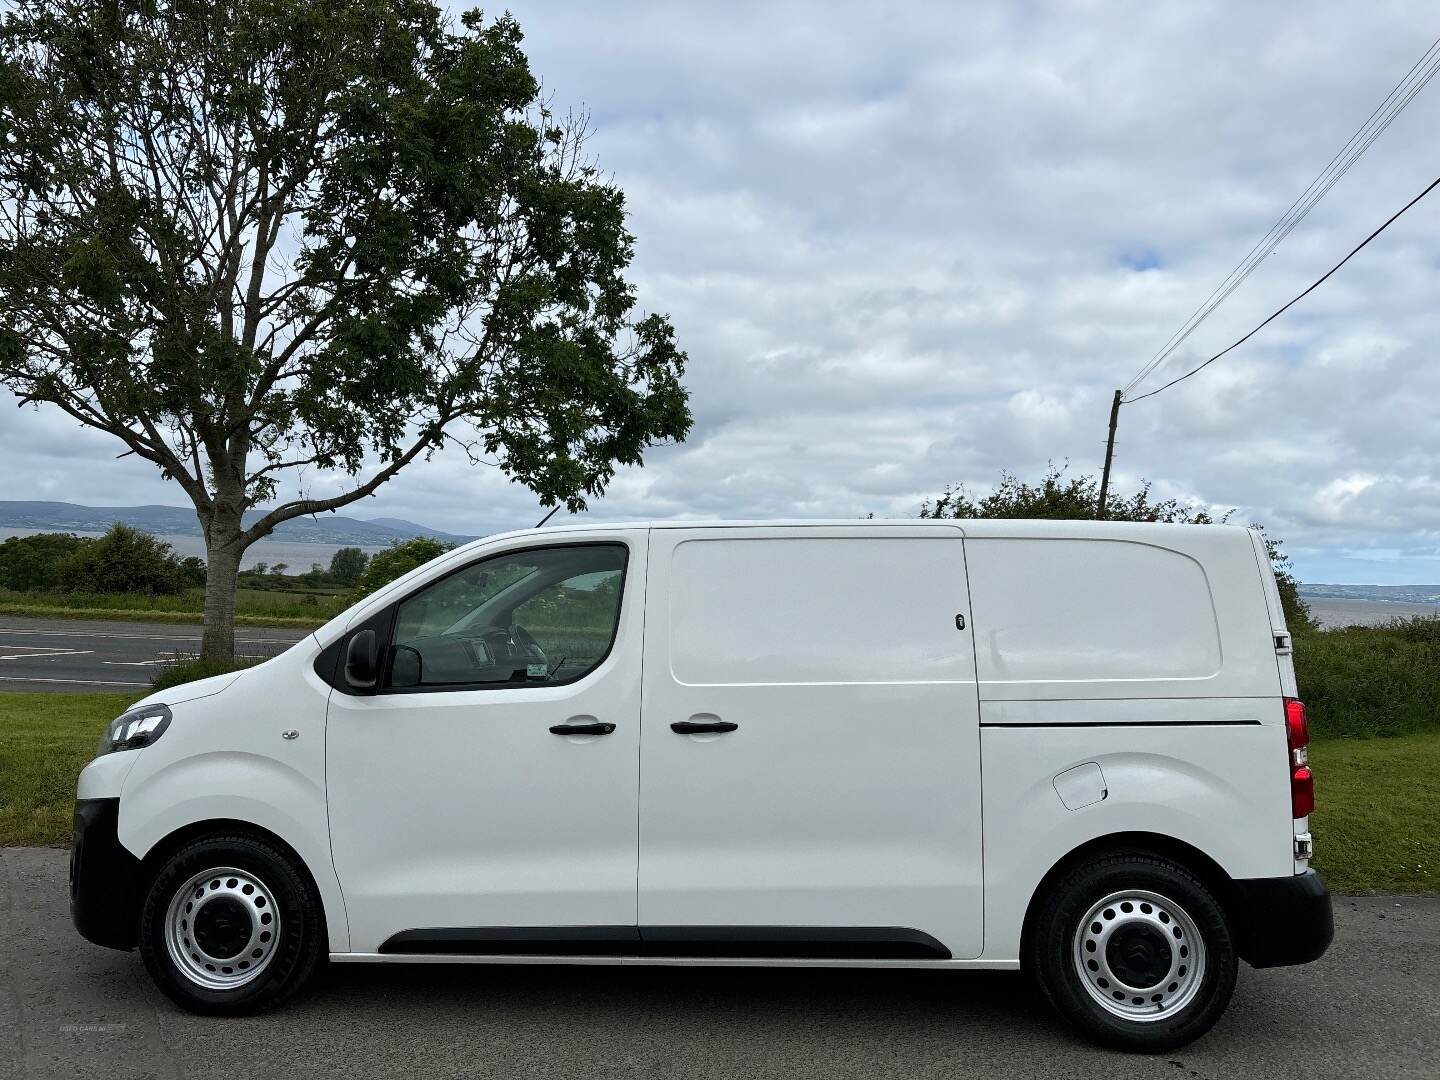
column 1400, row 594
column 179, row 521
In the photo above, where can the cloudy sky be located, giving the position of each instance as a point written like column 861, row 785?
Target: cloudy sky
column 913, row 245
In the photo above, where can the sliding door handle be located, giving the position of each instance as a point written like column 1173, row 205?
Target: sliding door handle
column 694, row 727
column 592, row 727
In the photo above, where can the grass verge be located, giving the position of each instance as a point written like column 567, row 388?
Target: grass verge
column 45, row 740
column 45, row 611
column 1377, row 826
column 1377, row 819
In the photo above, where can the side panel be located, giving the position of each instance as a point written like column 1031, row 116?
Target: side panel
column 1150, row 659
column 223, row 757
column 848, row 793
column 1211, row 783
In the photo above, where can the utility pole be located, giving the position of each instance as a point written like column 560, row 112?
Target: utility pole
column 1109, row 456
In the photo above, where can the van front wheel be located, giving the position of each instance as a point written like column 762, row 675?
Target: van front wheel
column 230, row 925
column 1135, row 952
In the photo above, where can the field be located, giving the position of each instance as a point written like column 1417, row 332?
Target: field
column 1377, row 826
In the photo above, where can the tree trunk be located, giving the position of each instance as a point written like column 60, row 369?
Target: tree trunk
column 222, row 563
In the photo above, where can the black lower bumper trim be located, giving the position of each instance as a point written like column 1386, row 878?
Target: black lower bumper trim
column 1284, row 920
column 103, row 877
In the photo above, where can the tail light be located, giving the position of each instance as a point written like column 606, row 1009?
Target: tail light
column 1297, row 739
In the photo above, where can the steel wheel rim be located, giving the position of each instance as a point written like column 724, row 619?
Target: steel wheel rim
column 222, row 928
column 1118, row 955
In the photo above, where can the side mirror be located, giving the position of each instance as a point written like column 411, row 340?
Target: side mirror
column 406, row 668
column 362, row 661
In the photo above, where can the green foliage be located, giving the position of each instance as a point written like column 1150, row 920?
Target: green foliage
column 347, row 564
column 1060, row 496
column 192, row 571
column 1075, row 498
column 266, row 235
column 124, row 560
column 33, row 562
column 190, row 670
column 399, row 559
column 1362, row 681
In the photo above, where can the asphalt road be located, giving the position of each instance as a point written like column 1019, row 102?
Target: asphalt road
column 94, row 656
column 1370, row 1008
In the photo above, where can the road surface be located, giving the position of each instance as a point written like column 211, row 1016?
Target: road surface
column 1370, row 1008
column 95, row 656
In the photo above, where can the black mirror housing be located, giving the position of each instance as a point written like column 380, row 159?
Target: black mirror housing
column 362, row 661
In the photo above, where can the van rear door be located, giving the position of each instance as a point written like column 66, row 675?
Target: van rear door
column 810, row 769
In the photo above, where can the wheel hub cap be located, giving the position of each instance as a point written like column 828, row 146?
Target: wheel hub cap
column 1139, row 955
column 222, row 927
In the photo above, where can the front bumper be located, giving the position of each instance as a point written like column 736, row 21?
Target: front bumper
column 103, row 877
column 1284, row 920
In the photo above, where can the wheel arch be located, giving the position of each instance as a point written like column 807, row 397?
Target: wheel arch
column 168, row 845
column 1203, row 866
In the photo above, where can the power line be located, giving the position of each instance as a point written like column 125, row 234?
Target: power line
column 1374, row 126
column 1315, row 285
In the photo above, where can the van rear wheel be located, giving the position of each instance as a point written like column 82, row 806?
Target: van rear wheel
column 230, row 925
column 1135, row 952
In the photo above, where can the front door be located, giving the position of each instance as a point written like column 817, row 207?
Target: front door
column 810, row 763
column 483, row 800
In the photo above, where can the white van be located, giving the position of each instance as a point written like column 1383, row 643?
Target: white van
column 1069, row 747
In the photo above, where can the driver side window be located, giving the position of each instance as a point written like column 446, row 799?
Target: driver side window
column 545, row 616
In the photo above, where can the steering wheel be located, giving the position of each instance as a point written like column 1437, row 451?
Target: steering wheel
column 529, row 648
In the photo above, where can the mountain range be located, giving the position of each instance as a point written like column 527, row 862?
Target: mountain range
column 181, row 521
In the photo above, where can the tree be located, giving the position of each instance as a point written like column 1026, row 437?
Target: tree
column 347, row 564
column 257, row 239
column 32, row 563
column 124, row 560
column 399, row 559
column 1057, row 495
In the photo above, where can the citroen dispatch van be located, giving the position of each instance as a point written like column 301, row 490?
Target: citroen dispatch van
column 1072, row 748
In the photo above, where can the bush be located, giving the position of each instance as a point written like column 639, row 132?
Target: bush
column 347, row 564
column 399, row 559
column 33, row 562
column 1364, row 681
column 123, row 560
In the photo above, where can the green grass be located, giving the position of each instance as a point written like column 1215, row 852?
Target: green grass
column 1377, row 826
column 1377, row 815
column 45, row 740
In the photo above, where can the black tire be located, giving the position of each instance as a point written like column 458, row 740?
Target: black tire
column 1057, row 944
column 290, row 955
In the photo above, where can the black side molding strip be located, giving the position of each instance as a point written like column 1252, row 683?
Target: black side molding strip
column 1133, row 723
column 801, row 942
column 735, row 942
column 513, row 940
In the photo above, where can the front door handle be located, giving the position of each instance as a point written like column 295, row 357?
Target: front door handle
column 694, row 727
column 590, row 727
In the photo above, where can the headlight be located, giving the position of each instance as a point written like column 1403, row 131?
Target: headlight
column 137, row 728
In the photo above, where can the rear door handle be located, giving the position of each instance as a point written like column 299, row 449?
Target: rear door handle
column 592, row 727
column 693, row 727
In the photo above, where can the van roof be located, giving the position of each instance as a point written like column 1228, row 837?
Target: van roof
column 1028, row 527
